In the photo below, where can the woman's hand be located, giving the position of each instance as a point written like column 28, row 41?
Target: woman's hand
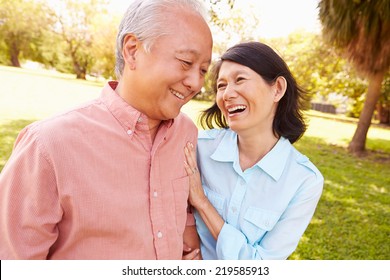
column 196, row 196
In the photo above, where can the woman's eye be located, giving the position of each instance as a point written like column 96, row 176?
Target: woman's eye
column 239, row 79
column 221, row 86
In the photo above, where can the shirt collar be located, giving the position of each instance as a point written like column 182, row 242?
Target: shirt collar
column 227, row 150
column 273, row 163
column 129, row 118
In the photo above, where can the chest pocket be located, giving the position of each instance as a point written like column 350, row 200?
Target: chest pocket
column 257, row 222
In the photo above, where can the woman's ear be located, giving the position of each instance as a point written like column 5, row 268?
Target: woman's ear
column 130, row 47
column 280, row 88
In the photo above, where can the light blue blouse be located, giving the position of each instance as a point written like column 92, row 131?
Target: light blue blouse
column 266, row 208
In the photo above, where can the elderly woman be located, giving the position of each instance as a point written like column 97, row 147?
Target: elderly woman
column 254, row 194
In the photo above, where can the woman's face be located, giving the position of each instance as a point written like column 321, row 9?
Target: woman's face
column 247, row 101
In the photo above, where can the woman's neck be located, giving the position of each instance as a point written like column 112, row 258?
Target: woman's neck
column 253, row 147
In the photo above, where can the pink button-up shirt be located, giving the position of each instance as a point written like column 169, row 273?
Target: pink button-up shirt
column 91, row 184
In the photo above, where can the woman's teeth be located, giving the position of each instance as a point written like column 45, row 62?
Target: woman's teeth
column 236, row 109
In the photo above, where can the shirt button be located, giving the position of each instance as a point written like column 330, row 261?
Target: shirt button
column 154, row 194
column 129, row 132
column 159, row 234
column 139, row 119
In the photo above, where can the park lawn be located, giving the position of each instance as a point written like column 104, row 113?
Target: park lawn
column 352, row 220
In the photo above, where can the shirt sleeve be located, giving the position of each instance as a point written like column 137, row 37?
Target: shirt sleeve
column 29, row 204
column 280, row 241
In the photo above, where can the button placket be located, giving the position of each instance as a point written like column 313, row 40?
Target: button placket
column 236, row 201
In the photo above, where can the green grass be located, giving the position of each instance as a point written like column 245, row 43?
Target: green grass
column 352, row 220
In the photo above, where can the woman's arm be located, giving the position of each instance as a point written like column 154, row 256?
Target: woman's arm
column 231, row 243
column 197, row 197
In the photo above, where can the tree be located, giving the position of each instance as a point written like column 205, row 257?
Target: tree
column 383, row 106
column 75, row 25
column 22, row 24
column 231, row 22
column 105, row 31
column 361, row 31
column 321, row 71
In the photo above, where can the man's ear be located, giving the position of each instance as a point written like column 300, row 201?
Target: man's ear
column 280, row 88
column 130, row 48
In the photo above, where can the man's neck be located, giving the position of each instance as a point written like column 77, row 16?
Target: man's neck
column 153, row 128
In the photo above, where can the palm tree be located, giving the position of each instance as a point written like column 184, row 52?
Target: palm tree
column 360, row 29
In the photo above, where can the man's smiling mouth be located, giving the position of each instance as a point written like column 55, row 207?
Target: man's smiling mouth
column 177, row 94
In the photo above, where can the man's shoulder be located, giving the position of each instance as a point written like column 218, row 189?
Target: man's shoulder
column 183, row 120
column 60, row 123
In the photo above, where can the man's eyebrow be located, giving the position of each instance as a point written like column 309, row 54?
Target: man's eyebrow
column 193, row 52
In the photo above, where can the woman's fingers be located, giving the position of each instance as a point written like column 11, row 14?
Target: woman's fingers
column 190, row 163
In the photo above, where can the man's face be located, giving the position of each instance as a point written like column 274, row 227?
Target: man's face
column 173, row 71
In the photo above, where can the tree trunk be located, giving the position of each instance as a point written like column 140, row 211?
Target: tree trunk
column 383, row 113
column 81, row 75
column 14, row 56
column 81, row 72
column 358, row 142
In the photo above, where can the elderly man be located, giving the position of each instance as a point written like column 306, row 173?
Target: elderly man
column 106, row 180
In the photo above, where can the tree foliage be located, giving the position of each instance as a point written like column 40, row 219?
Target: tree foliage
column 105, row 29
column 23, row 24
column 360, row 30
column 326, row 76
column 230, row 23
column 75, row 24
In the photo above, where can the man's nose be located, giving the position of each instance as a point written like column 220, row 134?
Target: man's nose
column 194, row 80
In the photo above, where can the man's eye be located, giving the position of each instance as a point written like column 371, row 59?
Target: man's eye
column 186, row 63
column 239, row 79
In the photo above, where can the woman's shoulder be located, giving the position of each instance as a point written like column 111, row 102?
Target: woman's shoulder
column 212, row 134
column 210, row 140
column 304, row 161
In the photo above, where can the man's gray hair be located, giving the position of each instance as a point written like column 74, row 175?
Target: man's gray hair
column 146, row 20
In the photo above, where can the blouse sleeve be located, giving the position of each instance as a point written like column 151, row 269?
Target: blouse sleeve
column 282, row 239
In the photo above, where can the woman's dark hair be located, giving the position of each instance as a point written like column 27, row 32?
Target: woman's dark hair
column 262, row 59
